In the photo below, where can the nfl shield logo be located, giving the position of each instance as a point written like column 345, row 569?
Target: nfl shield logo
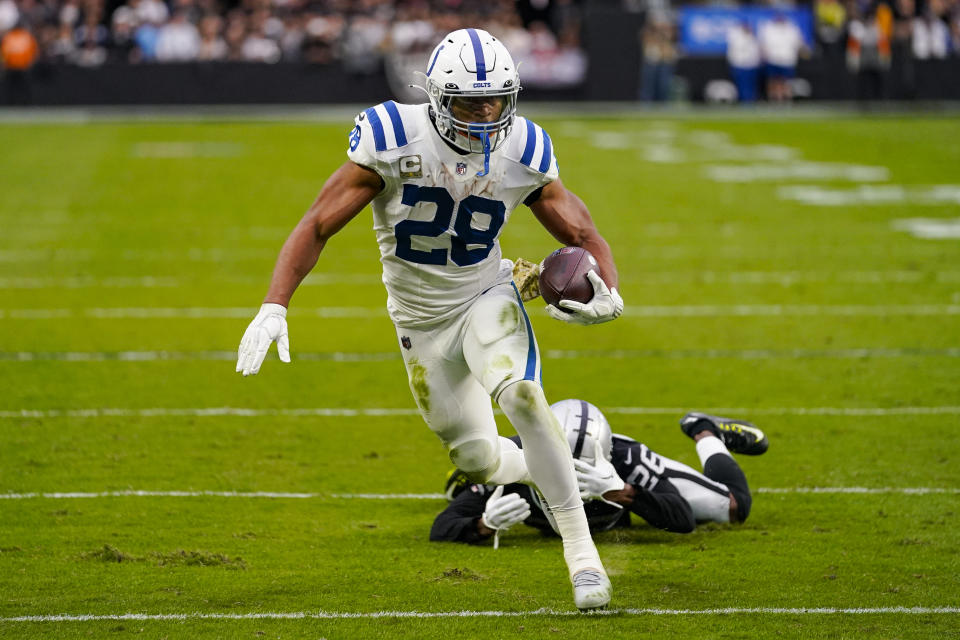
column 461, row 168
column 405, row 341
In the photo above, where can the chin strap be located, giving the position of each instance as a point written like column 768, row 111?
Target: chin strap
column 486, row 156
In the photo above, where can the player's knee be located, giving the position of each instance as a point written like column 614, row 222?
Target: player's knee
column 744, row 502
column 479, row 459
column 523, row 399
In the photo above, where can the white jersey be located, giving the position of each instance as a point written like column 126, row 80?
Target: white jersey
column 437, row 223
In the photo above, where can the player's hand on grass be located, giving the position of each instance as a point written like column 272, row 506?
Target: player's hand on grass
column 268, row 327
column 598, row 478
column 504, row 511
column 605, row 305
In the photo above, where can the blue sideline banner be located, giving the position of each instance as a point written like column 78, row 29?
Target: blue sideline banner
column 703, row 30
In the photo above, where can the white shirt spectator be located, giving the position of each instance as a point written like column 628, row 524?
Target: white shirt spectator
column 411, row 35
column 152, row 11
column 257, row 48
column 930, row 38
column 780, row 42
column 743, row 50
column 178, row 41
column 9, row 14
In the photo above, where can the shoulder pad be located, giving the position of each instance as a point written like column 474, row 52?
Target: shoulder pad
column 390, row 124
column 533, row 147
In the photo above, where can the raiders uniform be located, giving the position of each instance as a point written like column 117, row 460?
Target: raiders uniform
column 669, row 495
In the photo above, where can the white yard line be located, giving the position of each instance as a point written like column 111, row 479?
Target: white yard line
column 388, row 412
column 345, row 615
column 280, row 495
column 652, row 311
column 552, row 354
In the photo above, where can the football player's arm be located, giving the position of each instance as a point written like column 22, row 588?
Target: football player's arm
column 461, row 521
column 568, row 220
column 344, row 195
column 663, row 507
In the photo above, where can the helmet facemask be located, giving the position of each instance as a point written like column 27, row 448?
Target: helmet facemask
column 472, row 136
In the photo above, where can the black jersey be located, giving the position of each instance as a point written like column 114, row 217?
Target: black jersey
column 657, row 500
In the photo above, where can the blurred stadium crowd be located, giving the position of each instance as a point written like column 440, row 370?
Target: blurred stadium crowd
column 396, row 36
column 355, row 33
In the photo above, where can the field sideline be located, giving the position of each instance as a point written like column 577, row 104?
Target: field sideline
column 802, row 272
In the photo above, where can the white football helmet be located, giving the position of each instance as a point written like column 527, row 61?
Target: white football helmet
column 472, row 63
column 584, row 427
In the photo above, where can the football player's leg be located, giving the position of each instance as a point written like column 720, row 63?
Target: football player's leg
column 719, row 466
column 500, row 349
column 457, row 408
column 709, row 499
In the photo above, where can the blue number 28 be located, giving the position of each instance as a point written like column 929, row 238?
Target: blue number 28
column 464, row 233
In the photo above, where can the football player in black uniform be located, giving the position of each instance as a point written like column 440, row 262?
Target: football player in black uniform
column 617, row 475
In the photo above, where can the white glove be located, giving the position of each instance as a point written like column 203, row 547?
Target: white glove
column 605, row 305
column 269, row 326
column 504, row 511
column 596, row 479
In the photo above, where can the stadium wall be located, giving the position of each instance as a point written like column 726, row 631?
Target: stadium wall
column 240, row 83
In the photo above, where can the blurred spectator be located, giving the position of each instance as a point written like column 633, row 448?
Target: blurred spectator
column 90, row 53
column 257, row 47
column 514, row 37
column 292, row 37
column 781, row 44
column 63, row 47
column 931, row 37
column 901, row 48
column 69, row 13
column 743, row 55
column 150, row 11
column 178, row 40
column 831, row 21
column 322, row 34
column 9, row 15
column 146, row 38
column 362, row 35
column 212, row 45
column 658, row 42
column 363, row 43
column 955, row 28
column 18, row 52
column 122, row 46
column 570, row 64
column 868, row 50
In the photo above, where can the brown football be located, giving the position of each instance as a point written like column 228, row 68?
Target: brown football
column 564, row 276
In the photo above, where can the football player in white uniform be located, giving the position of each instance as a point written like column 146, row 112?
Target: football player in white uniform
column 443, row 179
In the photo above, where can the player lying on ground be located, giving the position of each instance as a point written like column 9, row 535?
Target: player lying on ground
column 619, row 476
column 443, row 179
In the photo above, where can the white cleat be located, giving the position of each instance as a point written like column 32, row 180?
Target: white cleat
column 591, row 590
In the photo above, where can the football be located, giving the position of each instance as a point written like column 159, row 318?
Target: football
column 563, row 276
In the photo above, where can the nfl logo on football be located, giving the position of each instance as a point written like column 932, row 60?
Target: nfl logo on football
column 461, row 168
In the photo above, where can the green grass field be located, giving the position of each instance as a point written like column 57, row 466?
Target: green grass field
column 765, row 273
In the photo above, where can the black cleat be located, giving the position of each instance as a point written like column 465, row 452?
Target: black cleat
column 457, row 481
column 738, row 436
